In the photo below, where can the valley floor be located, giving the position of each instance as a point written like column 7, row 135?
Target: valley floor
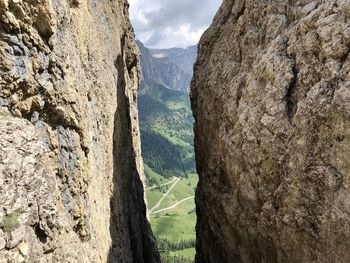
column 173, row 216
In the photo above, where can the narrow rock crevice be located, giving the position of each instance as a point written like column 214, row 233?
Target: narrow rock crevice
column 291, row 93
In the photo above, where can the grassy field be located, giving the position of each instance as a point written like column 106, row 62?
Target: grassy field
column 178, row 223
column 166, row 124
column 174, row 227
column 188, row 252
column 185, row 188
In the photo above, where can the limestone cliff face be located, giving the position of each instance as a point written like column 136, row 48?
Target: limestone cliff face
column 271, row 99
column 71, row 180
column 171, row 68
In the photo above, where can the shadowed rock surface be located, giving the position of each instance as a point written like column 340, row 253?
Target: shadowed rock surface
column 271, row 99
column 71, row 175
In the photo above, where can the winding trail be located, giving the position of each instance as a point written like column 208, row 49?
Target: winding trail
column 164, row 196
column 172, row 206
column 156, row 186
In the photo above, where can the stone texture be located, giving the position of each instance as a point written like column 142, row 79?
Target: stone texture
column 271, row 99
column 15, row 237
column 2, row 240
column 70, row 164
column 24, row 249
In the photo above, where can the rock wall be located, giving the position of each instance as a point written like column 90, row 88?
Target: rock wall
column 71, row 176
column 271, row 99
column 165, row 68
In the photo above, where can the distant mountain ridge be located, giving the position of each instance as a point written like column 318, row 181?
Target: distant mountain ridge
column 172, row 68
column 184, row 58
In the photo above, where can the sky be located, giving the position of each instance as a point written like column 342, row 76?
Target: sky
column 171, row 23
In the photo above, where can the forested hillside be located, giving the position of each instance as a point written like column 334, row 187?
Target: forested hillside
column 166, row 131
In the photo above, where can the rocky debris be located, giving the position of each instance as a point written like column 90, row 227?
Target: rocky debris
column 69, row 71
column 270, row 96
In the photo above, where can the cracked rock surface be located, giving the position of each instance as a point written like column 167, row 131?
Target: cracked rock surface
column 271, row 99
column 71, row 175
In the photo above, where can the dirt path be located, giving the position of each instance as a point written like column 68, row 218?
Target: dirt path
column 153, row 187
column 172, row 206
column 164, row 196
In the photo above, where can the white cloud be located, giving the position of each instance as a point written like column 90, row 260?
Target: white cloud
column 171, row 23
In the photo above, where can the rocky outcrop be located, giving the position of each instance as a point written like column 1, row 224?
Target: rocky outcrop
column 71, row 179
column 271, row 99
column 171, row 68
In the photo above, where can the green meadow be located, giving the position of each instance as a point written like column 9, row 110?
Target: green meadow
column 167, row 149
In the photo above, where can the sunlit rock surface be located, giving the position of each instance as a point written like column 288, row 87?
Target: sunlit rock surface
column 71, row 179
